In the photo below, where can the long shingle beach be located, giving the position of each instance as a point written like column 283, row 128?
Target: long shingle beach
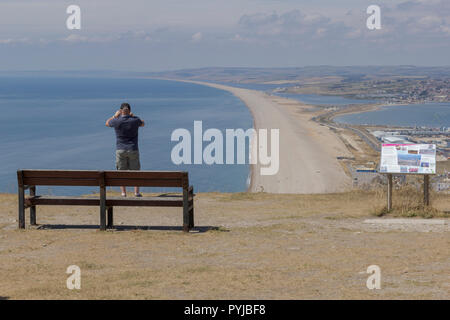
column 308, row 151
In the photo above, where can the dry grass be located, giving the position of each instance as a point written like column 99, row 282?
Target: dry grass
column 408, row 202
column 245, row 246
column 443, row 167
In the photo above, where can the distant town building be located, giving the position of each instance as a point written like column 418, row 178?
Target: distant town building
column 395, row 139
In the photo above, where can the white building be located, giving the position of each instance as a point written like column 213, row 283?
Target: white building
column 395, row 139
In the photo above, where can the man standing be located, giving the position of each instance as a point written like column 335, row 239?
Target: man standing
column 126, row 126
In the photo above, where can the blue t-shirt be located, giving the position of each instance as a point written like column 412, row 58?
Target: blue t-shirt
column 127, row 129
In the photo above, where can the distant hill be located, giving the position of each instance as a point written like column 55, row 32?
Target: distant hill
column 260, row 75
column 353, row 73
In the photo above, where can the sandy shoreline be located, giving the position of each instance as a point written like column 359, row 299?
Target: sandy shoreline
column 308, row 151
column 364, row 108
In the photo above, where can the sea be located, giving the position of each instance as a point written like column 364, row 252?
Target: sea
column 50, row 122
column 432, row 115
column 59, row 123
column 325, row 100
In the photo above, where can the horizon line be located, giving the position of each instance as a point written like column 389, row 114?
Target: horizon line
column 231, row 67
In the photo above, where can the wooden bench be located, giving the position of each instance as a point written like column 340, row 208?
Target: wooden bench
column 29, row 179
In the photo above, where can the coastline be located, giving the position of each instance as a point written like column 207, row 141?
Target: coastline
column 253, row 168
column 369, row 108
column 308, row 151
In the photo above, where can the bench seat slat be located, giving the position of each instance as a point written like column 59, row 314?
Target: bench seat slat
column 108, row 174
column 168, row 201
column 108, row 182
column 143, row 202
column 143, row 182
column 112, row 178
column 60, row 182
column 146, row 174
column 60, row 174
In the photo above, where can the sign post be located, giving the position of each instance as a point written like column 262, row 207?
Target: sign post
column 426, row 190
column 389, row 192
column 408, row 159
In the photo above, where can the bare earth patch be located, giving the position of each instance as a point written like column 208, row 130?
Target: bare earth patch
column 245, row 246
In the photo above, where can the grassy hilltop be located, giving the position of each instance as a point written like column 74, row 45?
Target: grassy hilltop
column 245, row 246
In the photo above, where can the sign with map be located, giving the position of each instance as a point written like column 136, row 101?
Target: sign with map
column 408, row 158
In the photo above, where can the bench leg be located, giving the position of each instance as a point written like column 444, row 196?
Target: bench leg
column 110, row 218
column 191, row 217
column 186, row 220
column 21, row 194
column 102, row 208
column 191, row 207
column 33, row 208
column 102, row 219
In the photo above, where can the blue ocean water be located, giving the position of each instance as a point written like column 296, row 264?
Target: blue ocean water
column 430, row 115
column 59, row 123
column 322, row 100
column 255, row 86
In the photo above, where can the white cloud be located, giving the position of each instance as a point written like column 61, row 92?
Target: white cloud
column 237, row 37
column 445, row 29
column 196, row 37
column 73, row 38
column 291, row 25
column 353, row 34
column 430, row 21
column 15, row 41
column 321, row 30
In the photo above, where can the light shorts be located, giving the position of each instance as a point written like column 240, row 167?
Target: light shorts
column 127, row 160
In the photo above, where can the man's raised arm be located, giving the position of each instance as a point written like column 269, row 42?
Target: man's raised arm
column 115, row 116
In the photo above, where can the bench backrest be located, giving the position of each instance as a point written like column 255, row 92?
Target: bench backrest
column 103, row 178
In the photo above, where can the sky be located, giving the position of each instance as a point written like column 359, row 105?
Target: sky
column 156, row 35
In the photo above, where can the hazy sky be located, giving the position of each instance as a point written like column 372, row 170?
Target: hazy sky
column 152, row 35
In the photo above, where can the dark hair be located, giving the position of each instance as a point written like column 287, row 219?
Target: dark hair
column 125, row 106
